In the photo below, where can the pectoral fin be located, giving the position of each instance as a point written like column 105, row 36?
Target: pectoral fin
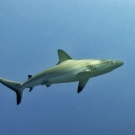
column 82, row 84
column 84, row 74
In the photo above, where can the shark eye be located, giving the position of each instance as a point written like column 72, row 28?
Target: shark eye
column 112, row 62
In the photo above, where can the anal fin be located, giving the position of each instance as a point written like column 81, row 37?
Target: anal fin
column 48, row 85
column 31, row 88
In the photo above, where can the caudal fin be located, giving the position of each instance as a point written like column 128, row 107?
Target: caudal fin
column 15, row 86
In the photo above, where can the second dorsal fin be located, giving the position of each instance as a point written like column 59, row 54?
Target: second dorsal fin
column 63, row 56
column 29, row 76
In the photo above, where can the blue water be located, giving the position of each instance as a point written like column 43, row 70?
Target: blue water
column 30, row 34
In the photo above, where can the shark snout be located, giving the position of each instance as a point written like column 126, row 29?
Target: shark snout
column 120, row 63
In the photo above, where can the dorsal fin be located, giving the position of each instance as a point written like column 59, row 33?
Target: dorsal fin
column 29, row 76
column 63, row 56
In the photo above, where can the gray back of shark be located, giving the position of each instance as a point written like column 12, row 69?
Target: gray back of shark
column 66, row 70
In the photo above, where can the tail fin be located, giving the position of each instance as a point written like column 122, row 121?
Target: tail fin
column 15, row 86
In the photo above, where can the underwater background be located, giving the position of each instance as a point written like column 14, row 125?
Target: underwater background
column 32, row 31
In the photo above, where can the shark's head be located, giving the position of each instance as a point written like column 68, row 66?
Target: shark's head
column 109, row 65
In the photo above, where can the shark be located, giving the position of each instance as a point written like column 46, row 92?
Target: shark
column 66, row 70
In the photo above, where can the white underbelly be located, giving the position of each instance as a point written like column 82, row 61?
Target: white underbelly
column 64, row 78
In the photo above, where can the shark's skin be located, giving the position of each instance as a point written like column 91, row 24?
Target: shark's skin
column 67, row 70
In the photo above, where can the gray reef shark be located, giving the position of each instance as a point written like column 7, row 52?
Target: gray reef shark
column 66, row 70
